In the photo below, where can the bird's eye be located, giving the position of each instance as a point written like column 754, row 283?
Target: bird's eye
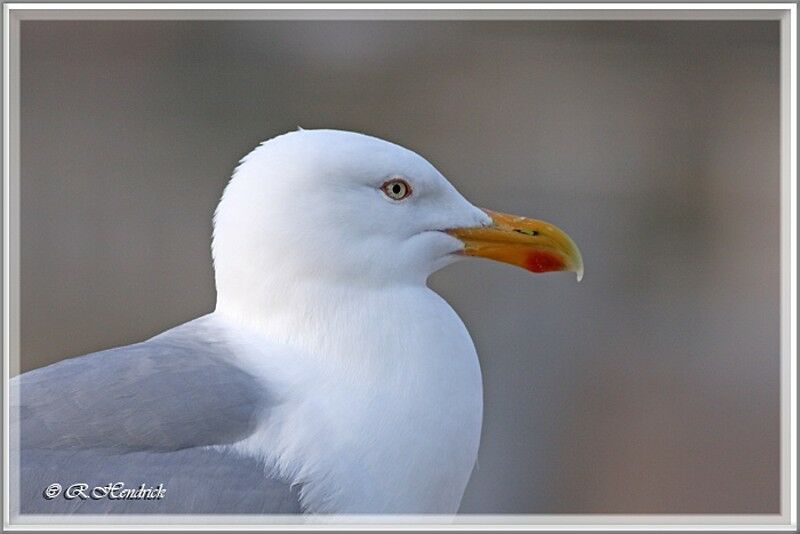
column 396, row 189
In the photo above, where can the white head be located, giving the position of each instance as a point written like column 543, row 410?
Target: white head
column 342, row 207
column 313, row 203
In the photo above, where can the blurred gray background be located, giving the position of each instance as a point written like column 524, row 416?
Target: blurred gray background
column 651, row 386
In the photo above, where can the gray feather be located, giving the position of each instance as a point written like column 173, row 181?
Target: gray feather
column 146, row 413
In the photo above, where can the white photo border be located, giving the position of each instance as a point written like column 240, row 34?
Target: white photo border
column 784, row 12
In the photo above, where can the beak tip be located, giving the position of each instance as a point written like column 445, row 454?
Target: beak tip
column 578, row 260
column 579, row 269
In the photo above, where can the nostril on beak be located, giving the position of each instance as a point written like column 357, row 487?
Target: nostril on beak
column 532, row 233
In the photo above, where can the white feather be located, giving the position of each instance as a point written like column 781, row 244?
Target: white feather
column 322, row 283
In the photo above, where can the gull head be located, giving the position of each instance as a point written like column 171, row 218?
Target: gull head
column 341, row 207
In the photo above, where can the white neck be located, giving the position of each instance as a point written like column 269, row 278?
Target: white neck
column 379, row 413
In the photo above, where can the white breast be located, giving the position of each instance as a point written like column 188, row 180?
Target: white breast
column 381, row 402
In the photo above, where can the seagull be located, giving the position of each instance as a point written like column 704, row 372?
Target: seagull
column 329, row 379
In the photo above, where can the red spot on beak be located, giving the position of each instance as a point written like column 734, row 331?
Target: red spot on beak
column 543, row 262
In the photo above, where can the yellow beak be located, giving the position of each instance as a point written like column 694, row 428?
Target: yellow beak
column 534, row 245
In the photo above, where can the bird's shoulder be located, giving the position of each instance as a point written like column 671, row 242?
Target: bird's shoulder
column 182, row 388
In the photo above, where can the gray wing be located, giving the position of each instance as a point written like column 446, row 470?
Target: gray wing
column 150, row 413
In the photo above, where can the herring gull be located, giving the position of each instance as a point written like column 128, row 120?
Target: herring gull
column 328, row 379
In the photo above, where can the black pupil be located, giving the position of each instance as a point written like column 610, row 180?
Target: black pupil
column 396, row 189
